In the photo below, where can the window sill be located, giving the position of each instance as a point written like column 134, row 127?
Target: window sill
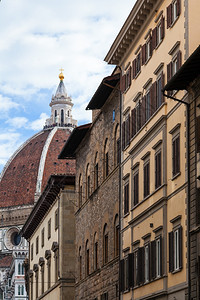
column 174, row 22
column 136, row 76
column 175, row 176
column 126, row 215
column 159, row 44
column 176, row 271
column 148, row 59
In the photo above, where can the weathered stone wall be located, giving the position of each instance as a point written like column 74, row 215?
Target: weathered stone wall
column 101, row 207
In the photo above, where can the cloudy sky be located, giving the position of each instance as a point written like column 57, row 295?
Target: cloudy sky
column 39, row 37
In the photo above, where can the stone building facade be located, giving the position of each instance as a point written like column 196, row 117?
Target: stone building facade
column 96, row 149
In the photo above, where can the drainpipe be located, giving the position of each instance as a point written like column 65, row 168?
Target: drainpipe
column 188, row 196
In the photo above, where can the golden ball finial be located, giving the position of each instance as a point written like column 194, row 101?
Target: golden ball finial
column 61, row 76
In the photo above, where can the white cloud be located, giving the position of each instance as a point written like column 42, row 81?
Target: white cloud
column 6, row 104
column 39, row 123
column 9, row 142
column 17, row 122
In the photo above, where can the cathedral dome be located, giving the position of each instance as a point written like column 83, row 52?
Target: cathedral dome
column 26, row 173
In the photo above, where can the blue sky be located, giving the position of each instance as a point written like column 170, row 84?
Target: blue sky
column 37, row 39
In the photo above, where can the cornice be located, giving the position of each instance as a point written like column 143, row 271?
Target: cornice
column 137, row 17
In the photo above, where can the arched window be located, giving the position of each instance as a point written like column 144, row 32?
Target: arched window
column 22, row 270
column 22, row 290
column 87, row 259
column 106, row 159
column 68, row 113
column 87, row 181
column 96, row 171
column 105, row 244
column 116, row 146
column 80, row 263
column 96, row 262
column 19, row 269
column 80, row 191
column 62, row 116
column 55, row 116
column 19, row 290
column 116, row 235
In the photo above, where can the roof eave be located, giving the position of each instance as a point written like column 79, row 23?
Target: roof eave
column 129, row 30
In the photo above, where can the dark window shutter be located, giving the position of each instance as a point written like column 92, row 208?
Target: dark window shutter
column 129, row 77
column 127, row 133
column 198, row 133
column 180, row 247
column 143, row 54
column 179, row 59
column 169, row 15
column 143, row 111
column 121, row 276
column 177, row 154
column 140, row 265
column 151, row 50
column 123, row 83
column 154, row 38
column 178, row 7
column 171, row 251
column 162, row 86
column 131, row 269
column 133, row 122
column 162, row 28
column 123, row 135
column 153, row 93
column 169, row 71
column 153, row 260
column 133, row 68
column 136, row 189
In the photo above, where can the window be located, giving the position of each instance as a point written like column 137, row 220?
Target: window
column 136, row 65
column 88, row 181
column 105, row 244
column 173, row 11
column 147, row 106
column 87, row 259
column 37, row 245
column 42, row 276
column 31, row 251
column 62, row 116
column 96, row 172
column 31, row 285
column 175, row 249
column 146, row 179
column 158, row 174
column 176, row 155
column 116, row 236
column 80, row 191
column 19, row 269
column 126, row 198
column 49, row 272
column 95, row 252
column 158, row 257
column 49, row 229
column 136, row 188
column 106, row 159
column 146, row 262
column 56, row 219
column 174, row 65
column 42, row 238
column 147, row 50
column 158, row 33
column 36, row 283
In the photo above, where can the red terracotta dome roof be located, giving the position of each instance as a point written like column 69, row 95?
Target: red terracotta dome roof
column 26, row 173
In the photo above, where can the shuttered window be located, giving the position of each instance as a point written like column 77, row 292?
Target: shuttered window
column 136, row 188
column 146, row 179
column 176, row 155
column 173, row 11
column 158, row 169
column 175, row 250
column 198, row 133
column 160, row 85
column 126, row 198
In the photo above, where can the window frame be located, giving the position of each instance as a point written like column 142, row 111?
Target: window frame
column 146, row 180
